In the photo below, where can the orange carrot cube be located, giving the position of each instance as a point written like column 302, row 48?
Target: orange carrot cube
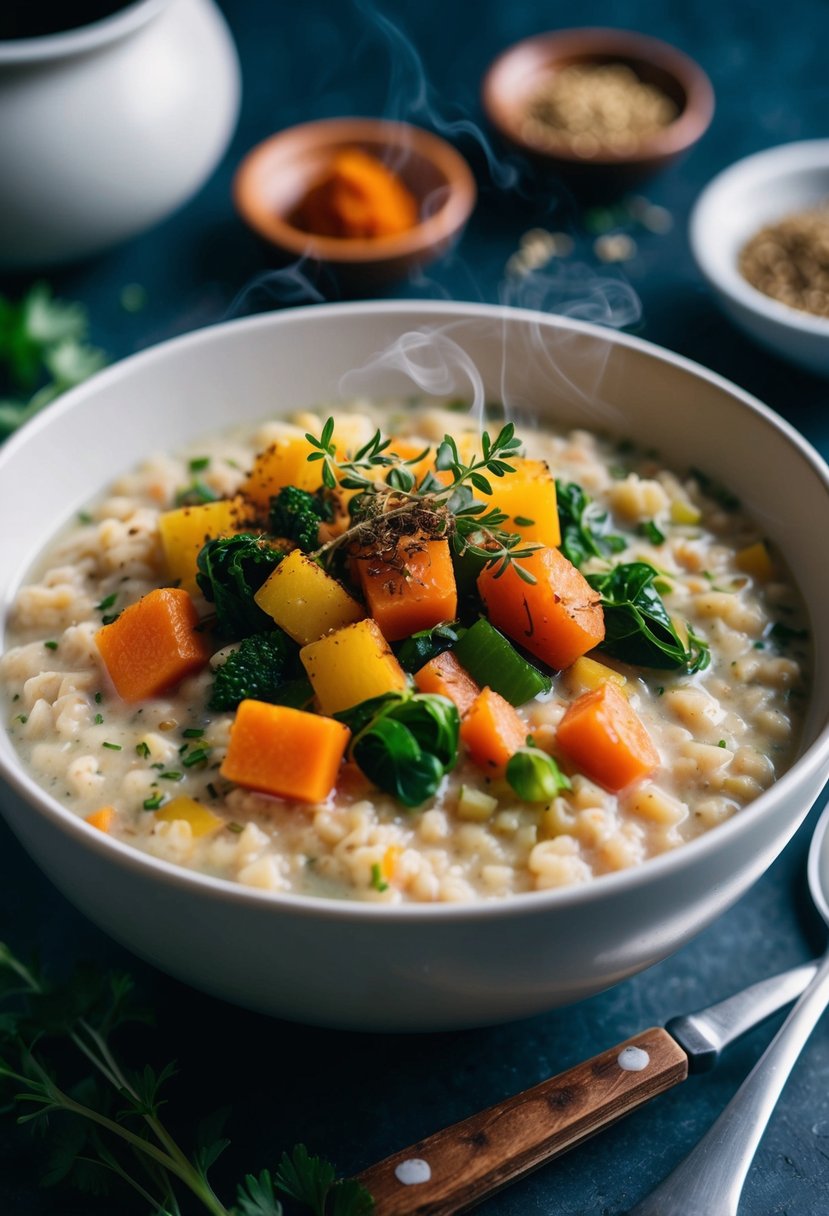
column 285, row 752
column 153, row 645
column 415, row 593
column 492, row 730
column 604, row 737
column 557, row 618
column 102, row 818
column 445, row 676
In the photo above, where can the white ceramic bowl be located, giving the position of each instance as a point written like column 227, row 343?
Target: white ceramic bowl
column 416, row 966
column 739, row 202
column 106, row 129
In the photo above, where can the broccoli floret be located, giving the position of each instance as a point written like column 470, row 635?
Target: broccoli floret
column 231, row 570
column 297, row 515
column 257, row 669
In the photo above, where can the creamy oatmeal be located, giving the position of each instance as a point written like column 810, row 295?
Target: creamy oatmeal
column 722, row 733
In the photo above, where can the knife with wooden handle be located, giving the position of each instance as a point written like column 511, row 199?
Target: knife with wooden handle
column 455, row 1169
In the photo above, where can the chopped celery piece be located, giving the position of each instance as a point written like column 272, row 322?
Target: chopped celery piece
column 492, row 660
column 475, row 804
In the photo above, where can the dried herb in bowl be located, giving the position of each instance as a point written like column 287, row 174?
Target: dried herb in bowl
column 789, row 261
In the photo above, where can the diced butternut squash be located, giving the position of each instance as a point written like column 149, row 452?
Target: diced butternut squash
column 153, row 645
column 528, row 494
column 415, row 593
column 285, row 752
column 390, row 862
column 756, row 561
column 102, row 819
column 445, row 676
column 351, row 665
column 604, row 737
column 492, row 730
column 184, row 531
column 284, row 463
column 557, row 618
column 305, row 601
column 587, row 674
column 201, row 819
column 683, row 512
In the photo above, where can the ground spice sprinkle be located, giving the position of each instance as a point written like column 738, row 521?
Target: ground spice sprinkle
column 789, row 261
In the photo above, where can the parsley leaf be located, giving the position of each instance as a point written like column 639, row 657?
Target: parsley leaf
column 255, row 1196
column 638, row 629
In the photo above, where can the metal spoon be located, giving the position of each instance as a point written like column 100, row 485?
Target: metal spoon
column 710, row 1180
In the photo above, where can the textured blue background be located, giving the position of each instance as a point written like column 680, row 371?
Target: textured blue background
column 355, row 1098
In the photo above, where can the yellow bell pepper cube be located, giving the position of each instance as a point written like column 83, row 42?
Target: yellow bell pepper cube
column 305, row 601
column 683, row 512
column 284, row 463
column 587, row 674
column 528, row 494
column 202, row 820
column 756, row 561
column 351, row 665
column 185, row 530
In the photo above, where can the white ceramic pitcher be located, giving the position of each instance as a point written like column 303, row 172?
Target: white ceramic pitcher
column 107, row 128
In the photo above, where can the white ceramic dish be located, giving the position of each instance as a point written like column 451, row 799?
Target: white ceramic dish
column 415, row 966
column 106, row 129
column 739, row 202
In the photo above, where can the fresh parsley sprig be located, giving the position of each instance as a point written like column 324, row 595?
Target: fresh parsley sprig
column 391, row 499
column 115, row 1132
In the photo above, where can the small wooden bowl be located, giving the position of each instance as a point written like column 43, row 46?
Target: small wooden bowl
column 276, row 174
column 514, row 76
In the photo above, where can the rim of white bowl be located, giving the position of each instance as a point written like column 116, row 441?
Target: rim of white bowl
column 323, row 907
column 82, row 38
column 722, row 273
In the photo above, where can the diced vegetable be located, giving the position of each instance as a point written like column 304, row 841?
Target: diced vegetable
column 491, row 659
column 153, row 645
column 305, row 601
column 284, row 463
column 413, row 449
column 444, row 676
column 415, row 593
column 756, row 561
column 102, row 818
column 257, row 671
column 535, row 776
column 184, row 531
column 391, row 861
column 492, row 730
column 230, row 572
column 587, row 674
column 683, row 512
column 475, row 805
column 201, row 819
column 285, row 752
column 557, row 618
column 529, row 498
column 604, row 737
column 352, row 665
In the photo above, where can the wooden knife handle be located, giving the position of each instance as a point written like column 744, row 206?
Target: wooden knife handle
column 456, row 1168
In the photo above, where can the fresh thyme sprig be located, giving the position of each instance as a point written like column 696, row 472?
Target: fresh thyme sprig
column 114, row 1128
column 393, row 503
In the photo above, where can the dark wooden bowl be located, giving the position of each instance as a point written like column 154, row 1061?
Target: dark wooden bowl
column 515, row 75
column 275, row 175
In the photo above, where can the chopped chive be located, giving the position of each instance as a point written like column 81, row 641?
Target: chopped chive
column 51, row 645
column 211, row 789
column 721, row 743
column 107, row 602
column 108, row 618
column 84, row 517
column 171, row 775
column 377, row 878
column 99, row 696
column 16, row 696
column 195, row 495
column 113, row 747
column 99, row 719
column 660, row 691
column 234, row 827
column 192, row 733
column 142, row 749
column 199, row 463
column 152, row 804
column 196, row 757
column 651, row 532
column 22, row 719
column 759, row 645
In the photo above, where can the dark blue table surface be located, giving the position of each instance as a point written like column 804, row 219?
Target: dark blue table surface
column 356, row 1098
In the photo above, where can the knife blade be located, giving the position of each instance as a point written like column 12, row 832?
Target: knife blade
column 454, row 1169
